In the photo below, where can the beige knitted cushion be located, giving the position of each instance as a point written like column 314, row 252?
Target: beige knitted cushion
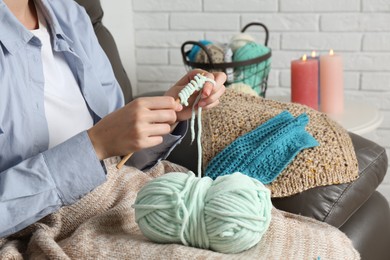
column 332, row 162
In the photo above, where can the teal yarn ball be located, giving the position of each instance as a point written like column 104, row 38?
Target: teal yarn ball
column 252, row 75
column 227, row 215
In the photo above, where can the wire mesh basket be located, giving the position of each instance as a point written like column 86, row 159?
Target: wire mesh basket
column 252, row 72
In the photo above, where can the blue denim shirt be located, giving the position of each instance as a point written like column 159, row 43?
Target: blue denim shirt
column 35, row 180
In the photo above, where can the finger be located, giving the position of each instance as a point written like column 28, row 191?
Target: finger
column 158, row 129
column 149, row 133
column 161, row 116
column 208, row 85
column 159, row 103
column 220, row 78
column 152, row 141
column 215, row 92
column 209, row 88
column 211, row 105
column 153, row 130
column 214, row 97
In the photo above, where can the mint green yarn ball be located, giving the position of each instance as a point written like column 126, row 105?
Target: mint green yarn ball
column 228, row 215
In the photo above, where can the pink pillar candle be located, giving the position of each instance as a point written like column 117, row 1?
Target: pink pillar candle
column 332, row 84
column 304, row 82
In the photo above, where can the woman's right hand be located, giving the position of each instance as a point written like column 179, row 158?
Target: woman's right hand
column 140, row 124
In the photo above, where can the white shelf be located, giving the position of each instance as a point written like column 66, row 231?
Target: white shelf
column 358, row 117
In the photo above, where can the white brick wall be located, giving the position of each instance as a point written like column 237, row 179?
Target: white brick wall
column 319, row 6
column 242, row 7
column 347, row 22
column 359, row 30
column 376, row 5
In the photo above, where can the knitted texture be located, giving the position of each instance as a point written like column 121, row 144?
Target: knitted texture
column 265, row 151
column 102, row 226
column 215, row 51
column 332, row 162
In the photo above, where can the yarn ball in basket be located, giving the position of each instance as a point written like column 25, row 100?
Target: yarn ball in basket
column 243, row 88
column 239, row 40
column 196, row 48
column 216, row 52
column 227, row 215
column 252, row 75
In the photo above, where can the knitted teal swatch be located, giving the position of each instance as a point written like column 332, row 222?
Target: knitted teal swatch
column 264, row 152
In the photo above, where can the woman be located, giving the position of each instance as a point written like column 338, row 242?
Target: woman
column 62, row 111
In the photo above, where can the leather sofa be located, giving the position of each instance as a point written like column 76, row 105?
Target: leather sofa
column 356, row 208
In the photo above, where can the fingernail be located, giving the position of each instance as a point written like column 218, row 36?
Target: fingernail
column 205, row 95
column 202, row 103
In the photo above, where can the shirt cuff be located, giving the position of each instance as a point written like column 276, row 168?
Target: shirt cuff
column 74, row 167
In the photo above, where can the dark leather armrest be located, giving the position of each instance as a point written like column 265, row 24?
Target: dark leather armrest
column 369, row 228
column 335, row 204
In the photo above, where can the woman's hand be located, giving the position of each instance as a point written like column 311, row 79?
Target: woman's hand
column 140, row 124
column 210, row 93
column 143, row 122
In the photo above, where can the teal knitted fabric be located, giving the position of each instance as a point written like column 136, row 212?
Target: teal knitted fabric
column 264, row 152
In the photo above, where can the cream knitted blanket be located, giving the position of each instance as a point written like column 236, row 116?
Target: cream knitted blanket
column 102, row 226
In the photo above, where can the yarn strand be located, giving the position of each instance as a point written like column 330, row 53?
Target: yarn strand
column 196, row 84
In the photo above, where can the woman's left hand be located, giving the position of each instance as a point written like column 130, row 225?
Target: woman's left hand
column 210, row 93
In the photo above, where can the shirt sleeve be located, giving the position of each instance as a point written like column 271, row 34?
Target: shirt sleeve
column 146, row 158
column 42, row 184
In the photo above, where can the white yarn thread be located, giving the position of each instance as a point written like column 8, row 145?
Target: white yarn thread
column 195, row 85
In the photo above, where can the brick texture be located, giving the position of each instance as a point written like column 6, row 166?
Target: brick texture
column 320, row 6
column 151, row 21
column 365, row 22
column 243, row 6
column 205, row 21
column 321, row 41
column 376, row 5
column 167, row 5
column 376, row 42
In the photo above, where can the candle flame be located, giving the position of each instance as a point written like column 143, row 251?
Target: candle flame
column 331, row 52
column 304, row 57
column 313, row 54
